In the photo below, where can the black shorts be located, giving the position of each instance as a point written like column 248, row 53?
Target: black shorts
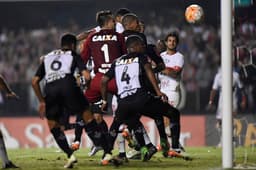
column 64, row 95
column 143, row 104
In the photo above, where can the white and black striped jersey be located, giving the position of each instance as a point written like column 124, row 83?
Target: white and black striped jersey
column 128, row 71
column 59, row 64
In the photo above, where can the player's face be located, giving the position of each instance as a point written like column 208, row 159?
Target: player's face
column 171, row 43
column 135, row 25
column 140, row 47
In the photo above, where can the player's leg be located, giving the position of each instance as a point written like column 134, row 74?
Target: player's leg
column 156, row 105
column 79, row 126
column 6, row 163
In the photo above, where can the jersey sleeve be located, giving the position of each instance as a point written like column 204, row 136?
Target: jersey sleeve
column 40, row 71
column 179, row 63
column 78, row 62
column 143, row 59
column 215, row 82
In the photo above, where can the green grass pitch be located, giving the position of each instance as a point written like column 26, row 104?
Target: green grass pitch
column 204, row 158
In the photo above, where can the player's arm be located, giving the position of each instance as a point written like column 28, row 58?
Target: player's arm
column 151, row 52
column 84, row 72
column 36, row 87
column 151, row 76
column 4, row 86
column 174, row 72
column 104, row 84
column 84, row 35
column 212, row 96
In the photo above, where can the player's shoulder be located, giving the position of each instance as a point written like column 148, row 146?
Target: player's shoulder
column 162, row 54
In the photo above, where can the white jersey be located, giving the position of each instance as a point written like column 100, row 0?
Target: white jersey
column 168, row 85
column 217, row 85
column 171, row 62
column 119, row 27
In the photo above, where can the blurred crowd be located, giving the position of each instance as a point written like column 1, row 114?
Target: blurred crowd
column 200, row 44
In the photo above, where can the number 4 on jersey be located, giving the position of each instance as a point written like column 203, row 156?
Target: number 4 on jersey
column 125, row 76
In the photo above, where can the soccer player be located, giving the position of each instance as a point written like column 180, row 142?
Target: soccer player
column 170, row 77
column 118, row 18
column 104, row 47
column 131, row 25
column 63, row 93
column 133, row 97
column 6, row 163
column 236, row 85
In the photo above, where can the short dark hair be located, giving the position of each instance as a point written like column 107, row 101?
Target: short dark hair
column 103, row 16
column 173, row 34
column 127, row 18
column 122, row 12
column 68, row 39
column 133, row 39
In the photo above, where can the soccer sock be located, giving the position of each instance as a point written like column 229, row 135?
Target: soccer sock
column 113, row 132
column 79, row 130
column 138, row 131
column 160, row 127
column 61, row 140
column 121, row 144
column 175, row 131
column 3, row 153
column 98, row 138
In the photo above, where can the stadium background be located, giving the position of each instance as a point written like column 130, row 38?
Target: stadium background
column 31, row 29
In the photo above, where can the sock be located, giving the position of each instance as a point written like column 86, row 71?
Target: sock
column 3, row 153
column 175, row 131
column 121, row 144
column 103, row 126
column 61, row 140
column 98, row 138
column 113, row 132
column 138, row 131
column 79, row 130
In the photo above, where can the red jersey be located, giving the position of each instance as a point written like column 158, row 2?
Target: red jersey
column 104, row 47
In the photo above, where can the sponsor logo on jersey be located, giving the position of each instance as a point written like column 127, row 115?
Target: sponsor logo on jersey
column 123, row 61
column 104, row 38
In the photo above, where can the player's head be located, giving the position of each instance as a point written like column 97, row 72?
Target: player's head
column 105, row 19
column 135, row 43
column 172, row 40
column 131, row 22
column 161, row 46
column 68, row 41
column 120, row 13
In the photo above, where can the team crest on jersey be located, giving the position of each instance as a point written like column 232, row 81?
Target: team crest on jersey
column 104, row 38
column 123, row 61
column 56, row 65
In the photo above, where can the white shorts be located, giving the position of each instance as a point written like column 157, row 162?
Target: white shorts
column 173, row 97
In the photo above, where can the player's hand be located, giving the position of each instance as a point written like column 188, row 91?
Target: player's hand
column 104, row 106
column 12, row 95
column 41, row 110
column 163, row 97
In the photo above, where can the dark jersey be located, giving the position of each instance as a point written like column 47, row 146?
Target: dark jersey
column 59, row 64
column 104, row 47
column 128, row 71
column 61, row 90
column 150, row 48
